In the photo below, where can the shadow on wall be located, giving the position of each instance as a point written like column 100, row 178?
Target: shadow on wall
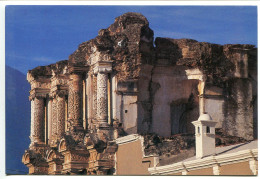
column 184, row 111
column 17, row 127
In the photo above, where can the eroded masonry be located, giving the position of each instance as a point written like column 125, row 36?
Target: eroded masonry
column 123, row 82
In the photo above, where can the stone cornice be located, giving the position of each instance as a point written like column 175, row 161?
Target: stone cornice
column 206, row 162
column 42, row 79
column 41, row 83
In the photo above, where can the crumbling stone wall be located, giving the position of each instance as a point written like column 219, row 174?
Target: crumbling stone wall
column 228, row 78
column 159, row 72
column 158, row 89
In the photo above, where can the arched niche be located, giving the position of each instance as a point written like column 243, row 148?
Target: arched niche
column 51, row 155
column 62, row 145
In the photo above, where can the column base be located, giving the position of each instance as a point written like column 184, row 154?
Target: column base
column 103, row 125
column 37, row 144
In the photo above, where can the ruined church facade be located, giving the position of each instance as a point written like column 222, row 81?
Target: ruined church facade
column 123, row 82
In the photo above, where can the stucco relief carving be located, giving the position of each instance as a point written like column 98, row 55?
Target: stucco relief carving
column 54, row 120
column 93, row 156
column 38, row 84
column 94, row 96
column 60, row 116
column 38, row 120
column 58, row 81
column 102, row 96
column 32, row 121
column 75, row 101
column 77, row 157
column 51, row 156
column 62, row 146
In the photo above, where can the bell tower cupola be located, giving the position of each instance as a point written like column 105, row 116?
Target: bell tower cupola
column 204, row 136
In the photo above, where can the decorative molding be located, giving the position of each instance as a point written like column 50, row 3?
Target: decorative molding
column 195, row 74
column 102, row 67
column 75, row 101
column 212, row 161
column 167, row 169
column 102, row 97
column 39, row 93
column 127, row 139
column 240, row 156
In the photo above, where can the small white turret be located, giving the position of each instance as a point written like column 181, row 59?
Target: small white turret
column 205, row 136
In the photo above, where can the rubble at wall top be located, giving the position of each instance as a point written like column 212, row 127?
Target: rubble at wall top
column 128, row 42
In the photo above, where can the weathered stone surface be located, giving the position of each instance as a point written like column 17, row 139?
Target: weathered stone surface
column 126, row 85
column 128, row 43
column 58, row 68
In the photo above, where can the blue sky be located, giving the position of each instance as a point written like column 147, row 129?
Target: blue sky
column 41, row 35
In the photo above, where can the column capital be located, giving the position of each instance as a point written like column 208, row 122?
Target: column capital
column 103, row 67
column 195, row 74
column 59, row 86
column 38, row 93
column 40, row 87
column 60, row 92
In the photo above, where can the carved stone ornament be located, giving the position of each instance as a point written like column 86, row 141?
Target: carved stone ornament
column 75, row 100
column 103, row 67
column 102, row 108
column 39, row 93
column 60, row 116
column 37, row 123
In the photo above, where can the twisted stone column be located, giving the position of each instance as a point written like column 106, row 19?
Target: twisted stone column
column 102, row 105
column 37, row 120
column 75, row 101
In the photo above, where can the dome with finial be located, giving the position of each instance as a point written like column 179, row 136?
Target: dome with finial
column 205, row 117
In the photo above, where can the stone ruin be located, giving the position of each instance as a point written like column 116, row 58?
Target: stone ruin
column 123, row 82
